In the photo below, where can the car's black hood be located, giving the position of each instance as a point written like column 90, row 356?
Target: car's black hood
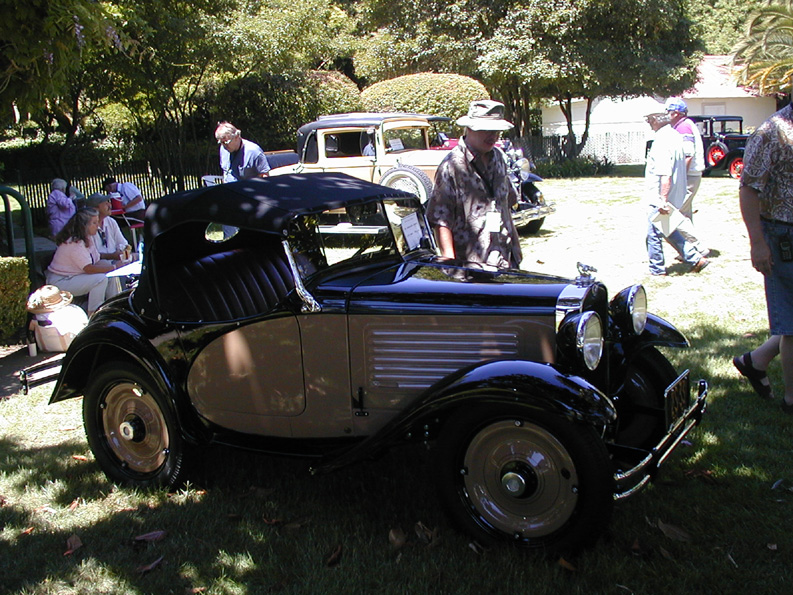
column 435, row 284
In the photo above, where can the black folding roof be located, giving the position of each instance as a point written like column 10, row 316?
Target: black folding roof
column 263, row 204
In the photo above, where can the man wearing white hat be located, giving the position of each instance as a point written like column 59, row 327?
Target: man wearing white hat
column 695, row 164
column 470, row 205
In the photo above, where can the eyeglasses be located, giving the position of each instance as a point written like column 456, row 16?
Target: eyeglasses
column 227, row 141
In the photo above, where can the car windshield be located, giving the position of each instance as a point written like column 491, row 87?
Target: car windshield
column 393, row 228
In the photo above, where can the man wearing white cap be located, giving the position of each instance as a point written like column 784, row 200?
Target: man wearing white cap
column 695, row 164
column 470, row 205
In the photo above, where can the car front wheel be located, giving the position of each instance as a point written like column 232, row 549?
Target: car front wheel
column 537, row 481
column 131, row 431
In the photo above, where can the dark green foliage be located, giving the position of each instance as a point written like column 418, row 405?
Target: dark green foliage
column 426, row 93
column 13, row 294
column 269, row 108
column 575, row 168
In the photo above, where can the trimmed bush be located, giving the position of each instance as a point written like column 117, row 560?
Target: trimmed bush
column 14, row 285
column 580, row 167
column 426, row 93
column 270, row 108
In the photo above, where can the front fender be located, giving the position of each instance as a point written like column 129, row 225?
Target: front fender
column 660, row 332
column 107, row 339
column 535, row 386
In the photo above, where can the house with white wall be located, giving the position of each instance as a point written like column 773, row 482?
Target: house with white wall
column 617, row 127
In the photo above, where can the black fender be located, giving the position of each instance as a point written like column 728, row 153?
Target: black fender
column 533, row 385
column 657, row 333
column 661, row 332
column 105, row 339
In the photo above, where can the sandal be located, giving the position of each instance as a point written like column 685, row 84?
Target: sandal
column 757, row 378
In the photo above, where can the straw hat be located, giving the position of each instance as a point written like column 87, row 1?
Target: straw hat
column 48, row 298
column 485, row 115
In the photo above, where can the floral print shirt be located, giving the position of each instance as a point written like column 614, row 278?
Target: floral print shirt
column 467, row 187
column 768, row 165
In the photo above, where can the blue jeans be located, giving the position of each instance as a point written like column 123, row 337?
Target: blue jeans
column 779, row 284
column 655, row 246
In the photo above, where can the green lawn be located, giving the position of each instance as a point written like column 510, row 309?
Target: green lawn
column 256, row 524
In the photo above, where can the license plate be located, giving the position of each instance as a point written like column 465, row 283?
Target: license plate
column 677, row 399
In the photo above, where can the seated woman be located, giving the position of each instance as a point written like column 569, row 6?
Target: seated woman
column 77, row 266
column 60, row 207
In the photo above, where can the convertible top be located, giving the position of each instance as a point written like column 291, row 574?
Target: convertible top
column 263, row 204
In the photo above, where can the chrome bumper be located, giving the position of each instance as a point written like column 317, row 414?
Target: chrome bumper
column 631, row 481
column 41, row 373
column 527, row 212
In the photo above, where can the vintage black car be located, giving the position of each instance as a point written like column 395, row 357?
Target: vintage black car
column 723, row 141
column 311, row 315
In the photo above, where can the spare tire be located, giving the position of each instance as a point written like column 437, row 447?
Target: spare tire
column 715, row 153
column 410, row 179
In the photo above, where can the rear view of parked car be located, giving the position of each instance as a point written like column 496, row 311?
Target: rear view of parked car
column 312, row 315
column 723, row 141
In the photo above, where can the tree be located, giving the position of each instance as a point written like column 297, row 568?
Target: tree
column 42, row 45
column 565, row 49
column 765, row 54
column 721, row 22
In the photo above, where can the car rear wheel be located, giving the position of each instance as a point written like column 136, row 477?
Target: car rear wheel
column 736, row 168
column 410, row 179
column 133, row 434
column 536, row 481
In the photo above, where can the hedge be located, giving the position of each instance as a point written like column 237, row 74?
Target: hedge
column 426, row 93
column 14, row 285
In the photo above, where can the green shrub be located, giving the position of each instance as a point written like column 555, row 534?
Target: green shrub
column 14, row 287
column 580, row 167
column 269, row 108
column 426, row 93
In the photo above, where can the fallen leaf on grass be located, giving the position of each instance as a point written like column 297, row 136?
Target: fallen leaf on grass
column 72, row 545
column 75, row 503
column 48, row 509
column 777, row 484
column 673, row 532
column 425, row 534
column 638, row 550
column 335, row 557
column 704, row 474
column 151, row 536
column 566, row 565
column 665, row 554
column 193, row 590
column 80, row 457
column 28, row 531
column 772, row 547
column 297, row 524
column 397, row 537
column 3, row 501
column 272, row 521
column 150, row 567
column 477, row 548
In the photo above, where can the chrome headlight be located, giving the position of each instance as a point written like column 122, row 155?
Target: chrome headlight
column 629, row 309
column 523, row 167
column 581, row 335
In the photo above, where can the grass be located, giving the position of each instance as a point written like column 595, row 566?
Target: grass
column 256, row 524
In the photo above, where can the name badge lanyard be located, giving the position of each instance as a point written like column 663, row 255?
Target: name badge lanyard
column 493, row 217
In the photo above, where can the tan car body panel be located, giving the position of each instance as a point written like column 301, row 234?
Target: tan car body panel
column 254, row 384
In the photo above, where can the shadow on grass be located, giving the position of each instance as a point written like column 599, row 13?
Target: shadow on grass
column 258, row 523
